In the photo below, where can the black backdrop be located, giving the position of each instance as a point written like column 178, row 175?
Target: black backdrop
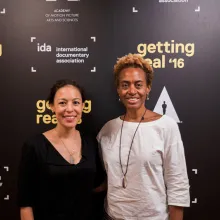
column 187, row 79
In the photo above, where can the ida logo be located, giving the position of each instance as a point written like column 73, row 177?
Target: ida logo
column 43, row 48
column 0, row 49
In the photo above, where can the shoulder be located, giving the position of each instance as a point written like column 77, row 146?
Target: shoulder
column 164, row 124
column 110, row 127
column 89, row 141
column 151, row 116
column 169, row 127
column 88, row 138
column 110, row 123
column 168, row 122
column 34, row 143
column 35, row 140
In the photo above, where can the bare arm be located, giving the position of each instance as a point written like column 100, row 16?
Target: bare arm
column 176, row 213
column 26, row 213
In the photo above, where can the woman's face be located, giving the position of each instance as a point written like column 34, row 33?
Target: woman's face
column 68, row 106
column 132, row 88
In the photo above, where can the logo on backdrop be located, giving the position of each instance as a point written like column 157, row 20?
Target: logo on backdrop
column 0, row 50
column 173, row 1
column 43, row 47
column 45, row 116
column 3, row 186
column 170, row 53
column 165, row 106
column 62, row 15
column 67, row 0
column 65, row 54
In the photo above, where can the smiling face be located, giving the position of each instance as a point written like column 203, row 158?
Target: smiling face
column 132, row 88
column 68, row 106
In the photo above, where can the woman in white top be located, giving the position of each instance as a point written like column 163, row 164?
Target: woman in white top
column 142, row 152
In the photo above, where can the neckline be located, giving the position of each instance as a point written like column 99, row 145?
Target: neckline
column 58, row 153
column 143, row 122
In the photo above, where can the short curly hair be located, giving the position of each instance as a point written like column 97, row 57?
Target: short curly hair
column 136, row 61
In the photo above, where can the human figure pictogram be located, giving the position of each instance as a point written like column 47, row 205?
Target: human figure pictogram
column 164, row 106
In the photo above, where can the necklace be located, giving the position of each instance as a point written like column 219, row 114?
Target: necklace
column 124, row 180
column 71, row 160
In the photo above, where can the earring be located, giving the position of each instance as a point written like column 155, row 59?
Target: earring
column 119, row 99
column 148, row 96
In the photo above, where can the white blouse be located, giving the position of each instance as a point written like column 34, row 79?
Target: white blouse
column 157, row 174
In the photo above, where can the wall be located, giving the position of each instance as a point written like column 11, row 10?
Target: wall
column 180, row 38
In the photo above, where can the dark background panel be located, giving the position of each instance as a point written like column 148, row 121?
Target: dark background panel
column 194, row 89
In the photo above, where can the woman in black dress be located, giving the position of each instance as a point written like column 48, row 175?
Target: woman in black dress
column 58, row 167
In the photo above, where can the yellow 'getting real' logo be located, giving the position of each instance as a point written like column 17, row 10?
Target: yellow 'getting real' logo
column 0, row 49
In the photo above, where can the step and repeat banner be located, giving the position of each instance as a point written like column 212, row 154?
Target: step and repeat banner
column 42, row 41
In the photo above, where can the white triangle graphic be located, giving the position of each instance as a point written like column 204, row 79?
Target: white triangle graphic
column 165, row 106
